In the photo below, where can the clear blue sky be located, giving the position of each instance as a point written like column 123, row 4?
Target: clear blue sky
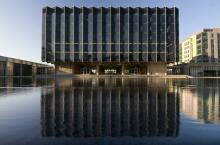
column 20, row 20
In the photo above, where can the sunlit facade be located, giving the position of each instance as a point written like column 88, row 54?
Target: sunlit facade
column 128, row 40
column 203, row 46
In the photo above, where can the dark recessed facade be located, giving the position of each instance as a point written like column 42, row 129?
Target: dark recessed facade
column 127, row 40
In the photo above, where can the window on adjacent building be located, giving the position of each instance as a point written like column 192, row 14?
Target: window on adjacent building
column 198, row 36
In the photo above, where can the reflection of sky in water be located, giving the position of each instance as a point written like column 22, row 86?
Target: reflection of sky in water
column 109, row 111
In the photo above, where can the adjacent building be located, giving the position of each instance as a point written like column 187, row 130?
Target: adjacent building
column 17, row 67
column 110, row 40
column 203, row 46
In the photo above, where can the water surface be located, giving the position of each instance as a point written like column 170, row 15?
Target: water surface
column 97, row 111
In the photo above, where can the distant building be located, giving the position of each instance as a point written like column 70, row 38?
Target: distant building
column 110, row 40
column 18, row 67
column 203, row 46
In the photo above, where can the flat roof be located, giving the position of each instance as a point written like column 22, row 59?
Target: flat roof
column 21, row 61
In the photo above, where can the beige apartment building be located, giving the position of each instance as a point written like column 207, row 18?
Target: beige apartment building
column 202, row 46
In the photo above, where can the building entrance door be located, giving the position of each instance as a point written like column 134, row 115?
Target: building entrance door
column 135, row 70
column 85, row 70
column 110, row 71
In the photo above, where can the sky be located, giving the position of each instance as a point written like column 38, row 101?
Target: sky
column 21, row 20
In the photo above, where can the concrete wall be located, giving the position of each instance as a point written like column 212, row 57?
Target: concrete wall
column 34, row 70
column 9, row 69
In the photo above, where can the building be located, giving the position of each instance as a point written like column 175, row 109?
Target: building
column 17, row 67
column 202, row 46
column 198, row 69
column 110, row 40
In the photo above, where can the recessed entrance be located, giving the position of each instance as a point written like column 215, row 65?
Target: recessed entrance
column 110, row 71
column 85, row 70
column 120, row 68
column 135, row 70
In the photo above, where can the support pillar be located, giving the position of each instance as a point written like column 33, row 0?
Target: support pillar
column 122, row 69
column 148, row 71
column 21, row 70
column 9, row 82
column 56, row 69
column 97, row 69
column 145, row 69
column 2, row 68
column 203, row 71
column 73, row 69
column 34, row 82
column 9, row 69
column 46, row 71
column 217, row 71
column 34, row 70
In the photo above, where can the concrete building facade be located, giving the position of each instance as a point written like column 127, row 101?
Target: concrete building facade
column 17, row 67
column 203, row 46
column 110, row 40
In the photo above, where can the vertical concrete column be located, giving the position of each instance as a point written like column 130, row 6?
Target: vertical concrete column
column 34, row 82
column 148, row 70
column 73, row 69
column 189, row 70
column 9, row 69
column 2, row 69
column 56, row 69
column 97, row 69
column 46, row 71
column 34, row 70
column 145, row 69
column 21, row 70
column 203, row 70
column 122, row 69
column 9, row 82
column 218, row 71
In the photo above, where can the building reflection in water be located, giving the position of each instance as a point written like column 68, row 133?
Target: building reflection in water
column 202, row 104
column 8, row 82
column 16, row 85
column 110, row 107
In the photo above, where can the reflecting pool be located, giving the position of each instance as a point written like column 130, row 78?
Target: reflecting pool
column 111, row 110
